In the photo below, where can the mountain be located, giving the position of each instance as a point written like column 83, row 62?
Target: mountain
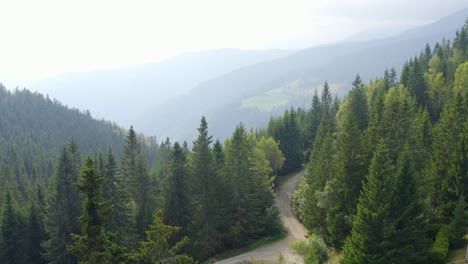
column 253, row 93
column 122, row 94
column 33, row 129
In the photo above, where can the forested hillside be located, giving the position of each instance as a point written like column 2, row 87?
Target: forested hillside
column 73, row 188
column 387, row 176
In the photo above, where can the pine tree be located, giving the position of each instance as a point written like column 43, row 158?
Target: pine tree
column 121, row 219
column 290, row 142
column 36, row 236
column 351, row 164
column 389, row 226
column 175, row 191
column 94, row 245
column 134, row 170
column 458, row 224
column 62, row 208
column 409, row 243
column 206, row 215
column 358, row 103
column 319, row 170
column 156, row 248
column 12, row 249
column 368, row 242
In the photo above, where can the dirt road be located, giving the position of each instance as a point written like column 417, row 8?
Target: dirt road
column 296, row 231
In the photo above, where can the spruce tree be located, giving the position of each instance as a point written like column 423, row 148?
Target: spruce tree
column 94, row 245
column 36, row 235
column 156, row 248
column 358, row 103
column 12, row 249
column 458, row 224
column 133, row 169
column 409, row 243
column 368, row 242
column 175, row 193
column 63, row 207
column 206, row 215
column 121, row 219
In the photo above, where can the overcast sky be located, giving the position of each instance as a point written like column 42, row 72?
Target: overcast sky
column 39, row 39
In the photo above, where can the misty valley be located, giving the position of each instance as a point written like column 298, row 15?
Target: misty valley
column 353, row 151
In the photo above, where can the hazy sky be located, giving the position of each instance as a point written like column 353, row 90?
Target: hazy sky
column 39, row 39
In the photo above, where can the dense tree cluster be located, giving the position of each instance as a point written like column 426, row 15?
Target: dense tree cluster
column 387, row 177
column 64, row 210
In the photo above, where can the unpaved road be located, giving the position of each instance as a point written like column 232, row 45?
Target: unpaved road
column 296, row 231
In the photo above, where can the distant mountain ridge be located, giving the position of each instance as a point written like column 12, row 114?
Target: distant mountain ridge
column 122, row 94
column 295, row 76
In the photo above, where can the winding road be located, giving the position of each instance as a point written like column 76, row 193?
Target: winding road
column 296, row 231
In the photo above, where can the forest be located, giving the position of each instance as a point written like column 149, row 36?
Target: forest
column 386, row 176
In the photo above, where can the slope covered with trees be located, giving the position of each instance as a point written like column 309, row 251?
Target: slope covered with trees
column 386, row 176
column 139, row 202
column 386, row 180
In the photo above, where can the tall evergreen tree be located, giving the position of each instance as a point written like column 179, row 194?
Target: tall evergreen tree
column 458, row 223
column 389, row 226
column 94, row 245
column 365, row 245
column 12, row 249
column 36, row 235
column 121, row 219
column 206, row 215
column 358, row 103
column 175, row 190
column 133, row 169
column 63, row 207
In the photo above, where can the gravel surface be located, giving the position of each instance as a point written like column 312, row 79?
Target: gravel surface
column 296, row 231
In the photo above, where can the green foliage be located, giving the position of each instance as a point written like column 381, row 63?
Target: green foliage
column 458, row 224
column 121, row 220
column 156, row 248
column 272, row 153
column 384, row 231
column 250, row 198
column 134, row 170
column 94, row 245
column 441, row 245
column 13, row 233
column 205, row 192
column 372, row 227
column 358, row 103
column 313, row 250
column 63, row 206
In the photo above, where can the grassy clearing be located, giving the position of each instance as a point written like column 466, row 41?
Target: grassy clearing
column 456, row 254
column 334, row 257
column 268, row 101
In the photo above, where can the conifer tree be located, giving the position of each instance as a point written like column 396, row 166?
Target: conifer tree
column 409, row 243
column 121, row 219
column 63, row 207
column 358, row 103
column 36, row 235
column 206, row 215
column 94, row 245
column 175, row 190
column 12, row 249
column 458, row 224
column 156, row 248
column 133, row 169
column 367, row 243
